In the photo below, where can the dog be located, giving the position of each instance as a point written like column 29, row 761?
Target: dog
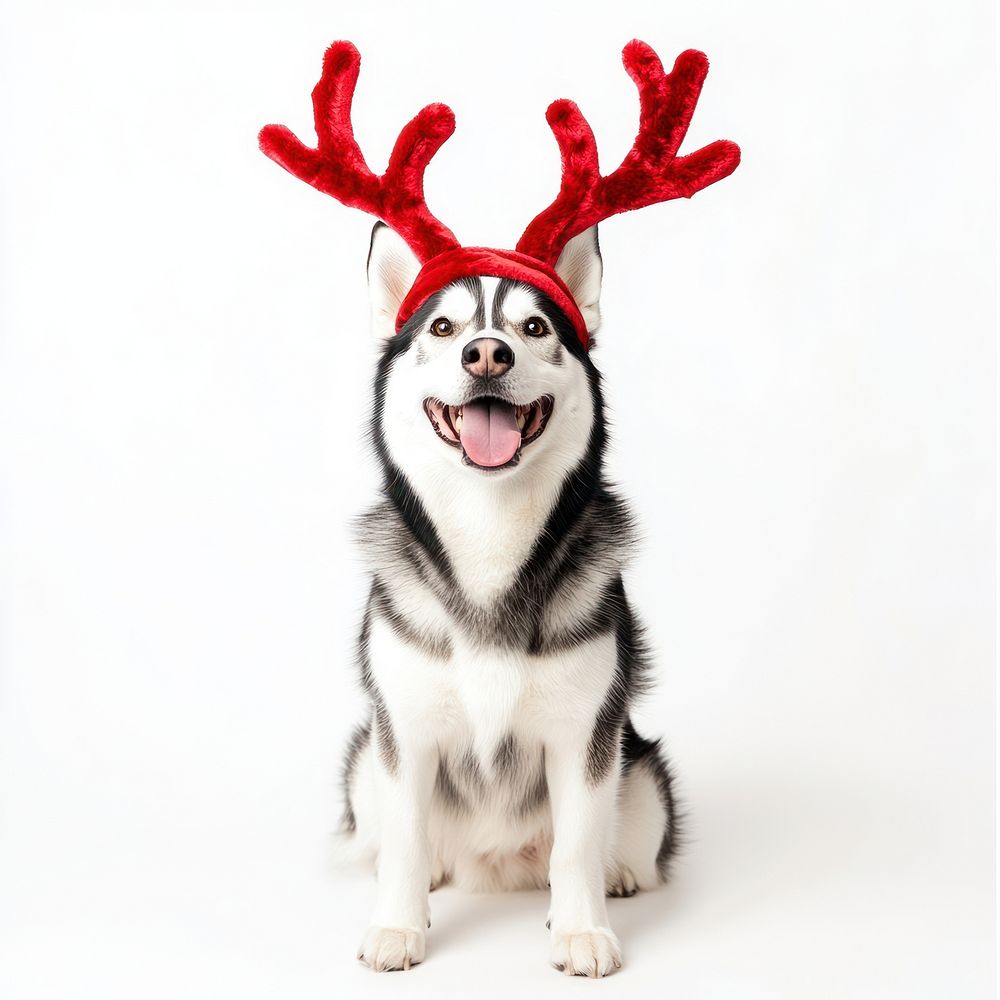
column 498, row 649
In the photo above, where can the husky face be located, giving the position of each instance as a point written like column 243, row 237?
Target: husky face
column 488, row 378
column 476, row 395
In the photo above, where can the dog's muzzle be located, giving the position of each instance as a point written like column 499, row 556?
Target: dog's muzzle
column 491, row 432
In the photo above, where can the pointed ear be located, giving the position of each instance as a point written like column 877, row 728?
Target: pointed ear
column 579, row 265
column 392, row 269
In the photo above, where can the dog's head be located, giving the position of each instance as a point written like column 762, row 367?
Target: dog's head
column 488, row 379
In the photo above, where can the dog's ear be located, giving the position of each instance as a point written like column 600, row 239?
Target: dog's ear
column 392, row 269
column 579, row 265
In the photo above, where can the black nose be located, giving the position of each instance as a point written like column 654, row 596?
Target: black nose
column 487, row 358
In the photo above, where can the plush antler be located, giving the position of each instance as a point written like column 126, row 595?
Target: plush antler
column 337, row 167
column 650, row 173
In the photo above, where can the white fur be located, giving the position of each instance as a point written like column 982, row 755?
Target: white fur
column 579, row 265
column 392, row 268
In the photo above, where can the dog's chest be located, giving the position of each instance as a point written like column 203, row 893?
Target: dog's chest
column 482, row 697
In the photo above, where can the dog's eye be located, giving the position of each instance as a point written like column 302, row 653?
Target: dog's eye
column 441, row 327
column 535, row 327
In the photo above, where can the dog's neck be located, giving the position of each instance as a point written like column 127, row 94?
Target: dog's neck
column 490, row 528
column 487, row 530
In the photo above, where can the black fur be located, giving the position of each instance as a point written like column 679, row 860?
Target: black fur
column 499, row 296
column 384, row 738
column 395, row 486
column 437, row 646
column 637, row 751
column 505, row 757
column 630, row 679
column 475, row 288
column 355, row 747
column 461, row 783
column 447, row 790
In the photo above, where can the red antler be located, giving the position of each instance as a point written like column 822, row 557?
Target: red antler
column 337, row 167
column 650, row 173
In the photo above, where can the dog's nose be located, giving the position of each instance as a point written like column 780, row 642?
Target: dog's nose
column 487, row 358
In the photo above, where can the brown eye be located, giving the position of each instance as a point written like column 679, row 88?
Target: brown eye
column 535, row 327
column 441, row 327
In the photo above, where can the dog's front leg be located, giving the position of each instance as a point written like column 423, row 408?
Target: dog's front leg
column 582, row 943
column 404, row 781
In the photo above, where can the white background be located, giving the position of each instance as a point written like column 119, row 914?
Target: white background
column 800, row 366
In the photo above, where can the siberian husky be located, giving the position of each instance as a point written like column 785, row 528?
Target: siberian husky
column 498, row 648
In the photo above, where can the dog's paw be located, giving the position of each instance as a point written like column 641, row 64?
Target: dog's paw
column 622, row 883
column 592, row 953
column 387, row 948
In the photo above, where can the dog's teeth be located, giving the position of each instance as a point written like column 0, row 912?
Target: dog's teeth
column 520, row 421
column 458, row 422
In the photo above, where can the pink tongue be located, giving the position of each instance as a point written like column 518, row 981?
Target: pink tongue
column 489, row 433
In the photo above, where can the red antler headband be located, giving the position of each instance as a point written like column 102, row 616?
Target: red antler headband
column 651, row 172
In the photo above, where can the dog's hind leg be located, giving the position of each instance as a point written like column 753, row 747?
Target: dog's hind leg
column 356, row 842
column 646, row 827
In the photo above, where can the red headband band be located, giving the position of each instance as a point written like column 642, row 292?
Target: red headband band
column 651, row 172
column 464, row 262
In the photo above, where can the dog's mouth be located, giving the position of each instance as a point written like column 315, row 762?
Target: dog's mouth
column 491, row 432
